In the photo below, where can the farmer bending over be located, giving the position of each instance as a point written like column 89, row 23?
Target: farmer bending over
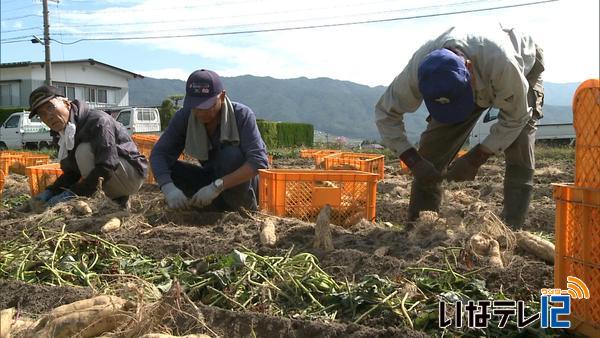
column 459, row 75
column 223, row 136
column 92, row 145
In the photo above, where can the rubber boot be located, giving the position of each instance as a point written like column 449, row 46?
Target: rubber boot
column 424, row 197
column 518, row 192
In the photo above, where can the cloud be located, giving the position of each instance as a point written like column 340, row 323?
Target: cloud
column 166, row 73
column 371, row 54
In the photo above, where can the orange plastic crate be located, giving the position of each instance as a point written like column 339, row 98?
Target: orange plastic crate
column 319, row 156
column 586, row 121
column 309, row 152
column 41, row 176
column 7, row 160
column 16, row 162
column 373, row 163
column 577, row 230
column 1, row 182
column 145, row 143
column 302, row 193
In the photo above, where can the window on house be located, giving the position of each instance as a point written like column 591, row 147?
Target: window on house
column 90, row 94
column 71, row 93
column 68, row 91
column 9, row 94
column 102, row 96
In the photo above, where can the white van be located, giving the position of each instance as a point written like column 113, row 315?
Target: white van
column 138, row 120
column 548, row 131
column 18, row 132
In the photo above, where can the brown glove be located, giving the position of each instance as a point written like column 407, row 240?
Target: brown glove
column 421, row 169
column 465, row 168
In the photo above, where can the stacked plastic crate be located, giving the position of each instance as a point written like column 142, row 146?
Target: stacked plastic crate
column 145, row 143
column 578, row 213
column 17, row 161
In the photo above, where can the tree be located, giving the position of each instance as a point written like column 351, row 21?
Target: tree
column 167, row 109
column 175, row 99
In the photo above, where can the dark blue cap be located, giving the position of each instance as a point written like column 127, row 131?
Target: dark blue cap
column 445, row 84
column 201, row 90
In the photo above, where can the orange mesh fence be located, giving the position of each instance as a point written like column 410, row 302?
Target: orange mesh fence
column 577, row 233
column 302, row 193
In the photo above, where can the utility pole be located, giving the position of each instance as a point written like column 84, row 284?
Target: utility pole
column 48, row 64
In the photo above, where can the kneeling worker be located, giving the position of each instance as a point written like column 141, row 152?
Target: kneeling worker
column 92, row 145
column 223, row 136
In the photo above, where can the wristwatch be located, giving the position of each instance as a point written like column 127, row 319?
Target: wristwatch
column 218, row 183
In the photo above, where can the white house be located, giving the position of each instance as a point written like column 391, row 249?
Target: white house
column 97, row 83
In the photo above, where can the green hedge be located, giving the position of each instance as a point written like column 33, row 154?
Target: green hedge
column 295, row 134
column 268, row 132
column 6, row 112
column 286, row 134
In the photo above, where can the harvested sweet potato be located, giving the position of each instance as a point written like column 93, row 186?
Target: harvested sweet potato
column 82, row 208
column 84, row 318
column 267, row 233
column 111, row 225
column 536, row 246
column 323, row 238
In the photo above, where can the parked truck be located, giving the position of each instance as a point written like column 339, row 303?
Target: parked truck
column 137, row 119
column 20, row 132
column 545, row 131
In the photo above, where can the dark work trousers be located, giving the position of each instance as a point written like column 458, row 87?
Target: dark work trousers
column 440, row 143
column 226, row 159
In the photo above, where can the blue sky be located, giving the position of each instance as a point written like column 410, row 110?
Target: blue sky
column 371, row 54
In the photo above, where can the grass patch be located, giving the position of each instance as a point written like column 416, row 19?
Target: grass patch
column 555, row 153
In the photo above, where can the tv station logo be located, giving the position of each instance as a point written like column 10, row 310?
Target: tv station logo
column 555, row 305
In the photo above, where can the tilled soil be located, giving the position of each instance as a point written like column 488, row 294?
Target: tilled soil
column 158, row 233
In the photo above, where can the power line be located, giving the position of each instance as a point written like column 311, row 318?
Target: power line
column 222, row 4
column 16, row 37
column 22, row 17
column 5, row 43
column 307, row 26
column 17, row 9
column 266, row 13
column 21, row 29
column 262, row 23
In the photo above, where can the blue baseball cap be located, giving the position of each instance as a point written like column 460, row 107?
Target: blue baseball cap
column 201, row 89
column 445, row 84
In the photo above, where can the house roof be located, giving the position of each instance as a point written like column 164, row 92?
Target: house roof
column 89, row 61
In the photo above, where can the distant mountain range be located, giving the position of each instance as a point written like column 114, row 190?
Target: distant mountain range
column 333, row 106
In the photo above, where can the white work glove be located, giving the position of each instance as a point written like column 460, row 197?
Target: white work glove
column 207, row 194
column 176, row 199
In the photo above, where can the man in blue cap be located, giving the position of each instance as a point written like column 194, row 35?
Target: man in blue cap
column 223, row 137
column 459, row 76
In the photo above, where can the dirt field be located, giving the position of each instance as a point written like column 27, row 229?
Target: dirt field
column 467, row 207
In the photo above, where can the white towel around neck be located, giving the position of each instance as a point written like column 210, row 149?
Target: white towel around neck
column 197, row 143
column 66, row 141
